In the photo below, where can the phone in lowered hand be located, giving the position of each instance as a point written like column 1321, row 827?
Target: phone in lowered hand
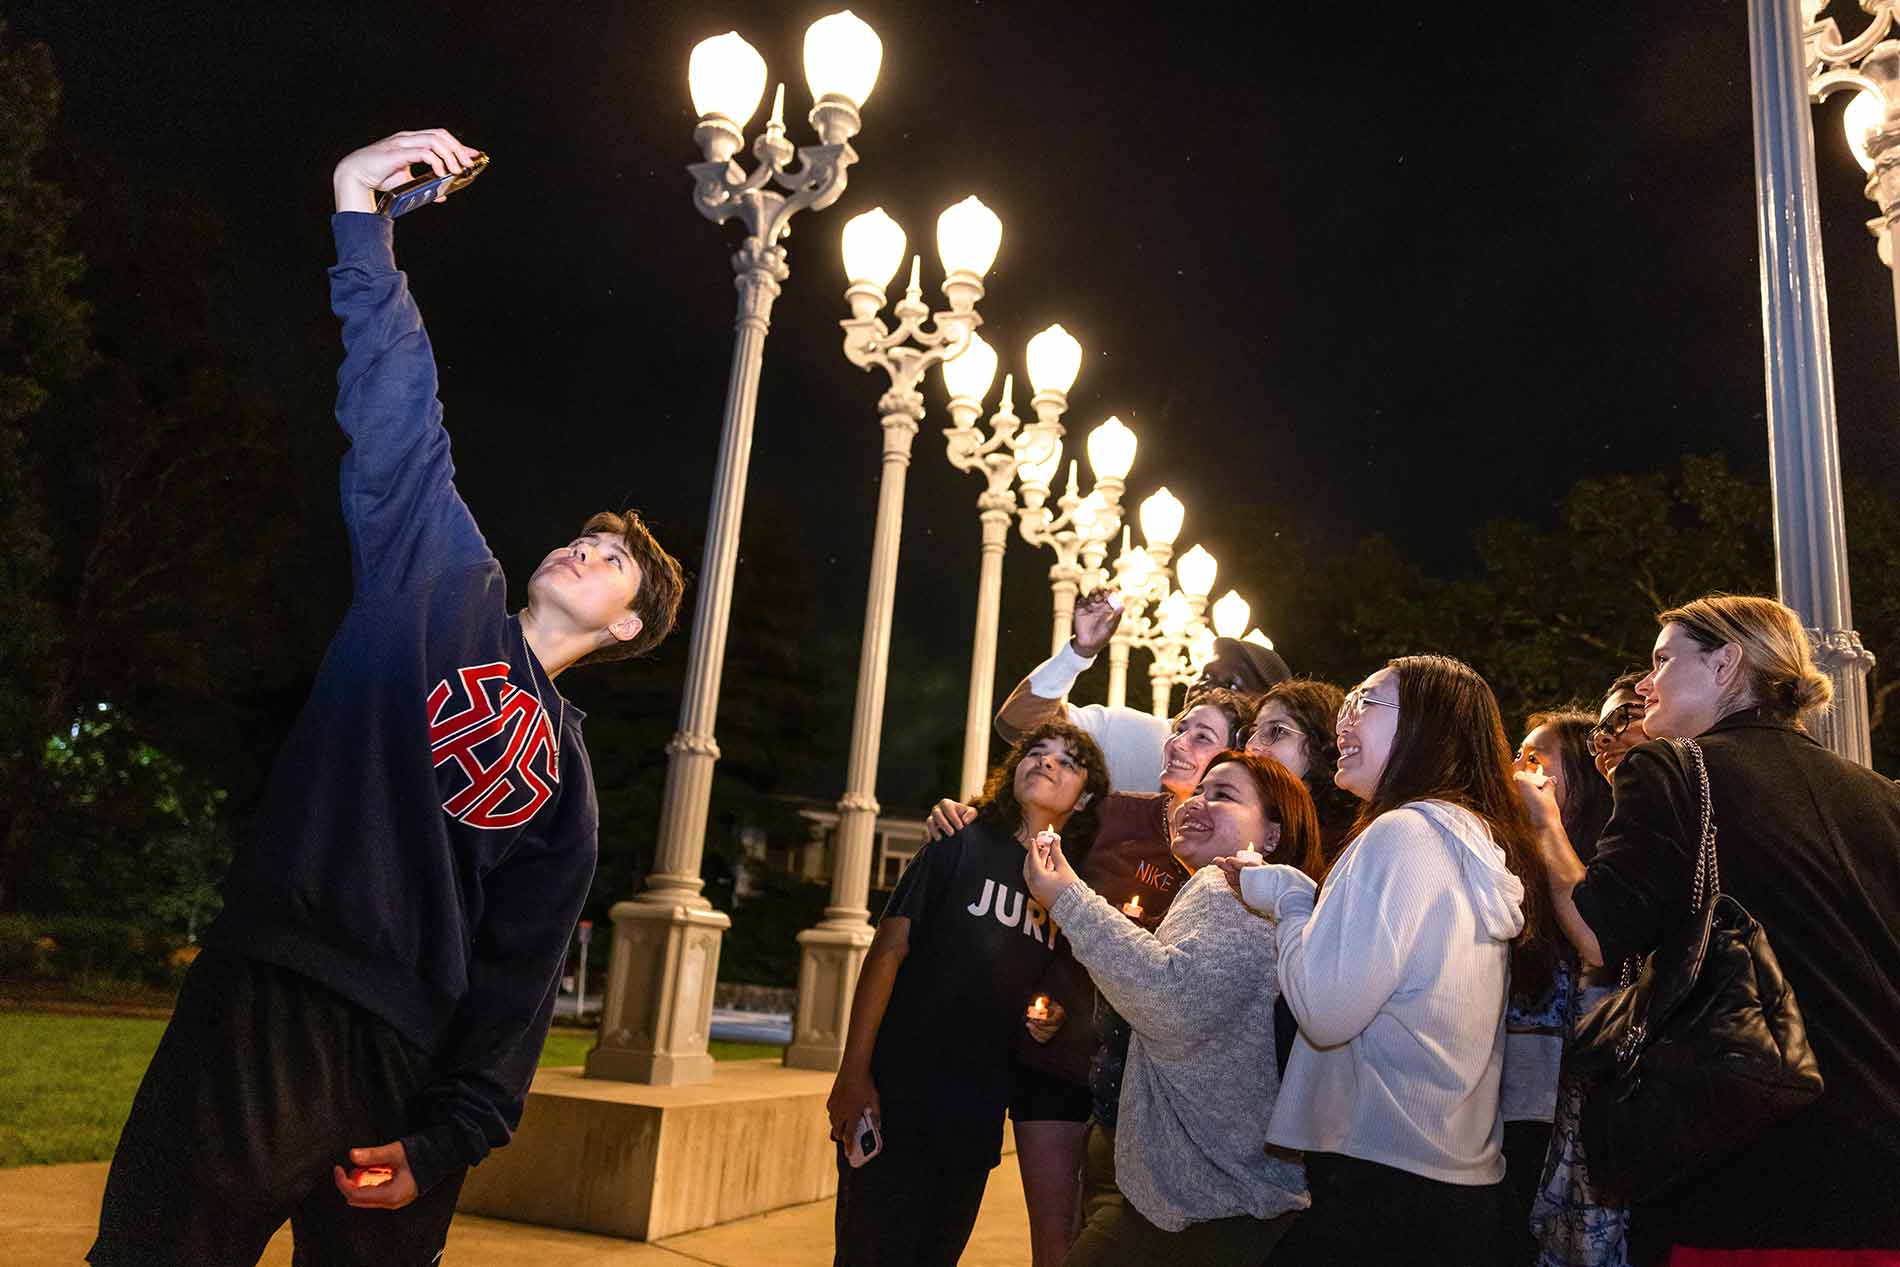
column 426, row 188
column 867, row 1141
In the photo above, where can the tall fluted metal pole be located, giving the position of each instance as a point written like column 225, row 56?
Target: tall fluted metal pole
column 995, row 511
column 832, row 952
column 1804, row 454
column 657, row 1012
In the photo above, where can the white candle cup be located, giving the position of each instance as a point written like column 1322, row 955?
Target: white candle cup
column 1250, row 857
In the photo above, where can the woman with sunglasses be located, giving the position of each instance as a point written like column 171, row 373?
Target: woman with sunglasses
column 1398, row 975
column 1200, row 1183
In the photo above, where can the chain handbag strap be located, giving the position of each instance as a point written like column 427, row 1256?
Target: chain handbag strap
column 1708, row 883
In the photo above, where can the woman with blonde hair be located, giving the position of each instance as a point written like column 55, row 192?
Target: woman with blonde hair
column 1809, row 844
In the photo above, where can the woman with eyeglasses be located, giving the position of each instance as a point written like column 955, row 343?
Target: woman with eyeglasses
column 1067, row 1077
column 1572, row 1228
column 1295, row 727
column 1190, row 1150
column 1809, row 845
column 1398, row 973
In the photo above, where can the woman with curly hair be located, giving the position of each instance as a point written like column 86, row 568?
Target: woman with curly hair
column 1295, row 728
column 938, row 1005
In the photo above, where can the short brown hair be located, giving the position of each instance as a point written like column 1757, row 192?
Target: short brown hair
column 657, row 601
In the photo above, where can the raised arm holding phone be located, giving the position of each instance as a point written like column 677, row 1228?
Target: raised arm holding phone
column 370, row 1005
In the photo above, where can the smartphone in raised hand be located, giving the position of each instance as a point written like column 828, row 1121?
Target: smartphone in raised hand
column 426, row 188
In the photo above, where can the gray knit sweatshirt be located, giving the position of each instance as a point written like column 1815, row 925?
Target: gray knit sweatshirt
column 1191, row 1144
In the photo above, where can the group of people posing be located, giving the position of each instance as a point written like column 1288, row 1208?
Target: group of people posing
column 1302, row 996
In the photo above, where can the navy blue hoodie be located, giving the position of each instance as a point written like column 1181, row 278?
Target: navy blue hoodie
column 428, row 833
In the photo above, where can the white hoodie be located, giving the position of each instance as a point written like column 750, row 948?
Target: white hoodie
column 1398, row 978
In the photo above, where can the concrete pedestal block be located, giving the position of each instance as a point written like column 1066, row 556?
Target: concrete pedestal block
column 829, row 960
column 658, row 1009
column 645, row 1162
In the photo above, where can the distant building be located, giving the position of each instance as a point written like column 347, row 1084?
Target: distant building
column 809, row 857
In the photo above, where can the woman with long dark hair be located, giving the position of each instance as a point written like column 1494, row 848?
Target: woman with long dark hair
column 1200, row 1184
column 939, row 1004
column 1556, row 745
column 1398, row 975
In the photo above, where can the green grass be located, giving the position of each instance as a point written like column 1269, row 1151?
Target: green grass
column 66, row 1082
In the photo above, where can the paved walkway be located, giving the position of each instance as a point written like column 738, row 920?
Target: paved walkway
column 48, row 1215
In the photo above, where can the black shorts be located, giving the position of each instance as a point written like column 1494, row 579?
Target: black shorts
column 263, row 1081
column 1035, row 1096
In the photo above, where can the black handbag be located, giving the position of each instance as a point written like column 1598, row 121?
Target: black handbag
column 1701, row 1049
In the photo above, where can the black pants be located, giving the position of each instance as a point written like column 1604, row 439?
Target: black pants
column 905, row 1209
column 262, row 1082
column 1365, row 1213
column 1525, row 1144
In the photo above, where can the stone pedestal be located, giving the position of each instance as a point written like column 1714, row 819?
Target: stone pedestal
column 829, row 960
column 622, row 1159
column 658, row 1009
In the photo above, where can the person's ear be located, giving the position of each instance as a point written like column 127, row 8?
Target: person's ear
column 626, row 629
column 1082, row 801
column 1728, row 664
column 1269, row 839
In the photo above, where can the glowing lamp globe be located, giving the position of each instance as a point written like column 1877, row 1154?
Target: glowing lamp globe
column 873, row 248
column 969, row 373
column 1864, row 116
column 842, row 57
column 1161, row 515
column 968, row 237
column 1043, row 469
column 1111, row 450
column 726, row 77
column 1258, row 639
column 1230, row 614
column 1196, row 569
column 1055, row 358
column 1173, row 614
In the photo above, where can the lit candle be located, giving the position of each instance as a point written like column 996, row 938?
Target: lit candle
column 1132, row 907
column 1047, row 842
column 1250, row 857
column 1038, row 1009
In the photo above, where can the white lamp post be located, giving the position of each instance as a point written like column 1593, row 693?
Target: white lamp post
column 658, row 1005
column 1080, row 529
column 1795, row 54
column 1142, row 578
column 1008, row 447
column 968, row 236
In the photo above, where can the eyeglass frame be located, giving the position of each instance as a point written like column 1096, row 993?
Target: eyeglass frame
column 1353, row 707
column 1611, row 728
column 1245, row 734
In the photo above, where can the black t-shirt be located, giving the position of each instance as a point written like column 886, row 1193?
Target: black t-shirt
column 979, row 944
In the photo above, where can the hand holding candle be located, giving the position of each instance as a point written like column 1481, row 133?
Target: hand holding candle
column 1045, row 871
column 1042, row 1018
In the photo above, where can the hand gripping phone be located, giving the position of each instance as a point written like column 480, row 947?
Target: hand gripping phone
column 426, row 188
column 866, row 1140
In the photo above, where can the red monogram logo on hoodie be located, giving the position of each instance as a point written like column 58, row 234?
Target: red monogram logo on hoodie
column 504, row 791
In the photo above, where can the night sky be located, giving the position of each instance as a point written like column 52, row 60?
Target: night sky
column 1367, row 275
